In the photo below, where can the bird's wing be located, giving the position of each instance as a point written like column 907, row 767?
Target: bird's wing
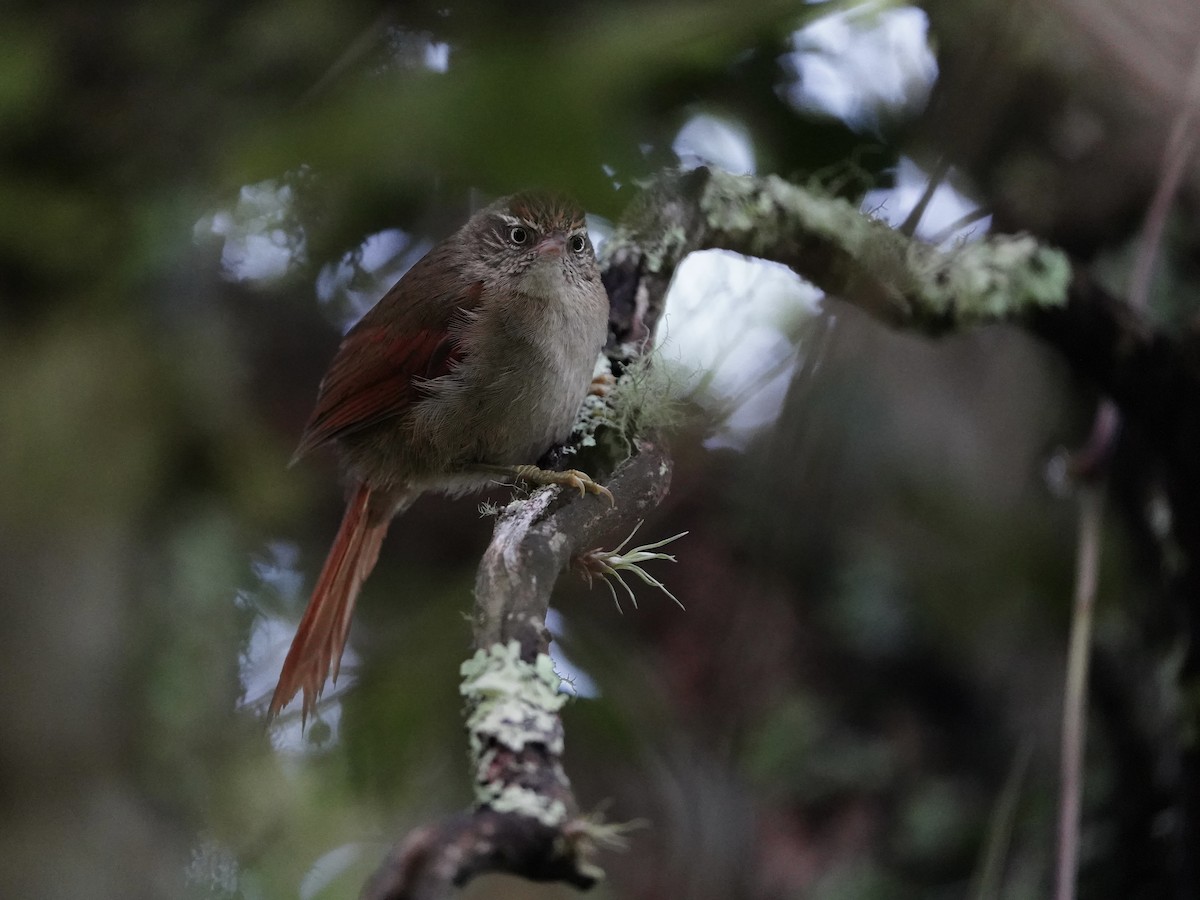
column 407, row 338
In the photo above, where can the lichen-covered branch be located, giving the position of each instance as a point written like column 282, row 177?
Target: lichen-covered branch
column 901, row 281
column 526, row 820
column 831, row 243
column 536, row 538
column 1153, row 376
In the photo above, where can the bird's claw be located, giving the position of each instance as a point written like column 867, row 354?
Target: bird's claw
column 571, row 478
column 583, row 483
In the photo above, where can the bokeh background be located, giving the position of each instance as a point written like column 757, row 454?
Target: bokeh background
column 862, row 698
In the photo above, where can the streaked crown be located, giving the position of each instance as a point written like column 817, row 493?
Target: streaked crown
column 548, row 210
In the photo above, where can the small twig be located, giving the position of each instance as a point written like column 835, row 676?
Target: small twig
column 989, row 876
column 1075, row 701
column 963, row 221
column 1180, row 145
column 909, row 226
column 1089, row 465
column 1090, row 462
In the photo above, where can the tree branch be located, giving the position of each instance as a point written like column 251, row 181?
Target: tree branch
column 1152, row 376
column 526, row 820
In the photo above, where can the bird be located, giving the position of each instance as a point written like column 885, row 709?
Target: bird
column 470, row 368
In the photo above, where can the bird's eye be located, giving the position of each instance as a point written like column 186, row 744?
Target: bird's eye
column 518, row 235
column 578, row 243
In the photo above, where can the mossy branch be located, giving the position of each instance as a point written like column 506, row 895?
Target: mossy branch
column 832, row 244
column 1153, row 376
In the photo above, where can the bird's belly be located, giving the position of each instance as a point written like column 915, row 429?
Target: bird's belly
column 515, row 419
column 485, row 414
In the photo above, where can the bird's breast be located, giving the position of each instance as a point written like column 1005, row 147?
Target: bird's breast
column 520, row 383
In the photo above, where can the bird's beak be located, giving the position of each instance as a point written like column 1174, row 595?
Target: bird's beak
column 551, row 245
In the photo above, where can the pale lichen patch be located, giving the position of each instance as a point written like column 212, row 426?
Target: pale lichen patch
column 512, row 798
column 994, row 278
column 512, row 704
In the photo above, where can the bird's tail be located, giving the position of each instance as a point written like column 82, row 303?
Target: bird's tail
column 321, row 636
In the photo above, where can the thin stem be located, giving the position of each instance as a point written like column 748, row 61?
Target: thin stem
column 989, row 876
column 1075, row 702
column 1180, row 145
column 975, row 215
column 909, row 226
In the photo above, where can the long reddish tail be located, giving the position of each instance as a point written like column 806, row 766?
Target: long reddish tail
column 321, row 636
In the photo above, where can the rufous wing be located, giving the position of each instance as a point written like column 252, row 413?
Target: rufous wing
column 381, row 363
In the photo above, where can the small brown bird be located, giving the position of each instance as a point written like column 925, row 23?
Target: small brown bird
column 473, row 365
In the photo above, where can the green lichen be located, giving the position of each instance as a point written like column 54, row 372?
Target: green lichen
column 991, row 279
column 666, row 249
column 595, row 413
column 765, row 215
column 735, row 203
column 523, row 801
column 826, row 216
column 512, row 704
column 647, row 397
column 769, row 212
column 994, row 278
column 650, row 231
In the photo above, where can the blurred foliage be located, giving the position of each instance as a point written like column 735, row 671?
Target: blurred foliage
column 876, row 584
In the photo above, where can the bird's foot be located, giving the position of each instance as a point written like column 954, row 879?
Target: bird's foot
column 571, row 478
